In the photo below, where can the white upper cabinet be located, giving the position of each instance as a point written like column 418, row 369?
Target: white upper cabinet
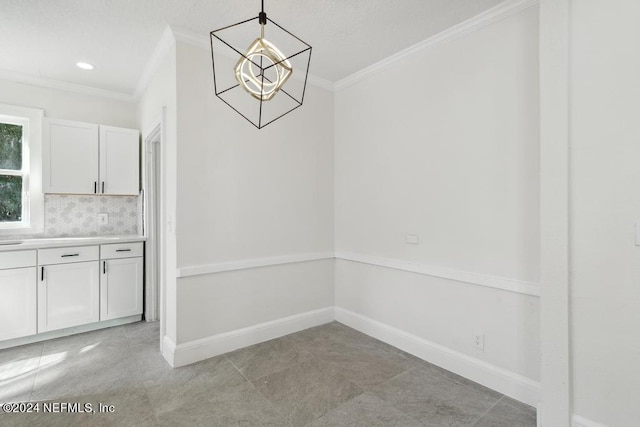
column 119, row 161
column 70, row 157
column 84, row 158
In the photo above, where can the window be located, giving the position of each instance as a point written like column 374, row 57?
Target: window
column 21, row 207
column 14, row 173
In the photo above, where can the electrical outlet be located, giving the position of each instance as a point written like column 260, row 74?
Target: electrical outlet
column 478, row 340
column 103, row 219
column 412, row 239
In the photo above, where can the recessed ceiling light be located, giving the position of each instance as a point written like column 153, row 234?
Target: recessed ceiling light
column 85, row 66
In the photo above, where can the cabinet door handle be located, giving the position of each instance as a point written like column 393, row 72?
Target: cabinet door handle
column 123, row 250
column 42, row 274
column 102, row 187
column 104, row 267
column 95, row 187
column 68, row 255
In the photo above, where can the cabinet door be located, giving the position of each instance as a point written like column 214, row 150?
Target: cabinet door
column 18, row 302
column 119, row 161
column 70, row 157
column 68, row 295
column 121, row 288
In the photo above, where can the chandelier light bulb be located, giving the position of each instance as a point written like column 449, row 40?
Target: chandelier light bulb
column 252, row 77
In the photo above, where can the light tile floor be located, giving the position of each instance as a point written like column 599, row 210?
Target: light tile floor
column 330, row 375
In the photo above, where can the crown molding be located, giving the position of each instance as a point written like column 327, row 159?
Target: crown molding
column 173, row 34
column 321, row 83
column 162, row 47
column 167, row 40
column 488, row 17
column 192, row 38
column 30, row 79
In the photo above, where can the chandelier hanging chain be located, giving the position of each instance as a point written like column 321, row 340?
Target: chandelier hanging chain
column 262, row 19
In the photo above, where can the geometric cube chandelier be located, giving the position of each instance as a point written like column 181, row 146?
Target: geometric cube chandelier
column 261, row 78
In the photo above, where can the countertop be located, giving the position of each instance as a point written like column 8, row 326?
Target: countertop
column 61, row 242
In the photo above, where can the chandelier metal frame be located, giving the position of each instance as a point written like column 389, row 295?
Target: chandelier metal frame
column 251, row 68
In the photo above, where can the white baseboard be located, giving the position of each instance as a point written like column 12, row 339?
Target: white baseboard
column 194, row 351
column 69, row 331
column 168, row 350
column 509, row 383
column 578, row 421
column 538, row 415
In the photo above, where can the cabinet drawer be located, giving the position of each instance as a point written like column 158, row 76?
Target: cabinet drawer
column 66, row 255
column 121, row 250
column 17, row 259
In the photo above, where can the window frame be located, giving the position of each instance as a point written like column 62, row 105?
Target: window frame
column 30, row 119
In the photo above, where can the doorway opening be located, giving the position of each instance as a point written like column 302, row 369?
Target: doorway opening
column 152, row 223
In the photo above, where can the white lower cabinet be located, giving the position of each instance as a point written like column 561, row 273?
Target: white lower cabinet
column 18, row 309
column 49, row 289
column 121, row 288
column 18, row 302
column 68, row 295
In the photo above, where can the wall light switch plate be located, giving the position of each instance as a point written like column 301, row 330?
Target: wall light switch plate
column 103, row 219
column 412, row 239
column 638, row 233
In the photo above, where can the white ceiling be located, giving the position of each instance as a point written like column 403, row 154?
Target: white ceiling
column 45, row 38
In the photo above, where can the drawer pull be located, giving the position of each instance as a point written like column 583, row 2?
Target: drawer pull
column 69, row 255
column 123, row 250
column 42, row 274
column 104, row 267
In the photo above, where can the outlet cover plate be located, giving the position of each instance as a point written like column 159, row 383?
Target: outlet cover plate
column 412, row 239
column 478, row 340
column 103, row 219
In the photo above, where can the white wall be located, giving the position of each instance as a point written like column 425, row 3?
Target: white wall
column 217, row 303
column 450, row 155
column 161, row 93
column 605, row 184
column 445, row 145
column 445, row 312
column 244, row 194
column 554, row 408
column 249, row 193
column 62, row 104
